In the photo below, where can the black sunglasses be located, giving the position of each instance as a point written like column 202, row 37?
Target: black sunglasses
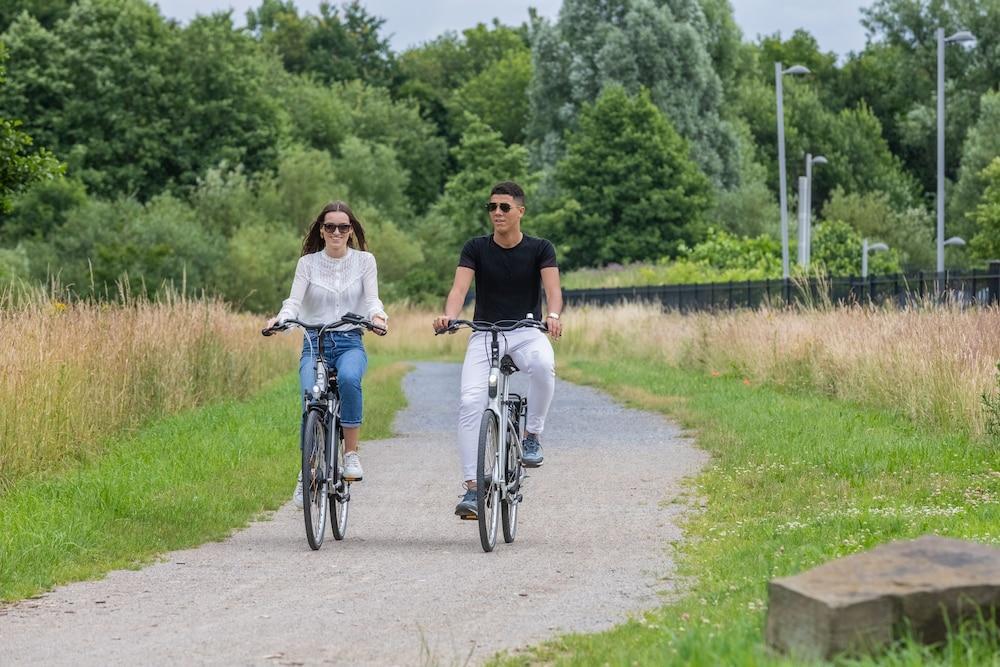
column 504, row 207
column 330, row 228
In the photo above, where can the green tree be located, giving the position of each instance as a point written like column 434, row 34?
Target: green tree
column 104, row 242
column 483, row 159
column 498, row 95
column 636, row 44
column 41, row 208
column 46, row 12
column 21, row 164
column 982, row 146
column 458, row 73
column 899, row 71
column 133, row 102
column 645, row 200
column 872, row 215
column 258, row 267
column 758, row 256
column 986, row 215
column 340, row 44
column 836, row 251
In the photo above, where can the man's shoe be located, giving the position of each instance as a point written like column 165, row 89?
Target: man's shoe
column 467, row 507
column 297, row 496
column 352, row 467
column 532, row 452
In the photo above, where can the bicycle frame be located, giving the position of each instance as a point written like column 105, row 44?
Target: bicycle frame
column 499, row 402
column 324, row 397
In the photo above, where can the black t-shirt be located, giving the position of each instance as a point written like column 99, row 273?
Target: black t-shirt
column 508, row 280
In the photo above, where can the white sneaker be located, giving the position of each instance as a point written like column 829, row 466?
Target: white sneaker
column 297, row 496
column 352, row 467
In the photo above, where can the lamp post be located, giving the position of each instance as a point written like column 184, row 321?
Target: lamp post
column 807, row 232
column 957, row 38
column 782, row 191
column 865, row 249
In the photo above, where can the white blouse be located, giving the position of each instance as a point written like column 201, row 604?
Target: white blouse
column 325, row 288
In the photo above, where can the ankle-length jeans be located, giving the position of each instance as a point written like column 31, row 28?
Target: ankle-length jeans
column 532, row 353
column 344, row 351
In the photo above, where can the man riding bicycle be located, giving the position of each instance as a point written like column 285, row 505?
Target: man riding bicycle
column 510, row 270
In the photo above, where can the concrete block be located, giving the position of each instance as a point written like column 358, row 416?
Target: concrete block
column 859, row 603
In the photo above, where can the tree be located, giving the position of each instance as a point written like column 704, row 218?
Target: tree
column 46, row 12
column 20, row 163
column 645, row 199
column 986, row 215
column 340, row 44
column 37, row 211
column 636, row 44
column 872, row 215
column 758, row 256
column 459, row 73
column 836, row 251
column 507, row 79
column 134, row 103
column 982, row 145
column 483, row 160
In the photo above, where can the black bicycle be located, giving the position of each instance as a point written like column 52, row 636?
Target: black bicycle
column 322, row 439
column 499, row 463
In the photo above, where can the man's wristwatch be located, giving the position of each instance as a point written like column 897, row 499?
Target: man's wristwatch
column 554, row 316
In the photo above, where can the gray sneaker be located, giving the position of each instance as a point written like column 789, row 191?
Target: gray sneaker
column 532, row 452
column 467, row 507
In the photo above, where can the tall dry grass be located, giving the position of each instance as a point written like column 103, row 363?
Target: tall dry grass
column 930, row 364
column 72, row 374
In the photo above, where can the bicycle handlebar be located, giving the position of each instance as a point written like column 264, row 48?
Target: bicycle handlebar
column 348, row 318
column 454, row 325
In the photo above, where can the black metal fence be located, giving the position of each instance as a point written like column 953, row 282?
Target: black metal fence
column 975, row 287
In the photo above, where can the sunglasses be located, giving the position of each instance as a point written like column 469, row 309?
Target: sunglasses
column 504, row 207
column 330, row 228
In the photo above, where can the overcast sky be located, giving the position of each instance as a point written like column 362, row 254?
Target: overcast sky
column 836, row 25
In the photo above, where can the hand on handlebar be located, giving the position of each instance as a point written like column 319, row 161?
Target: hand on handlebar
column 442, row 323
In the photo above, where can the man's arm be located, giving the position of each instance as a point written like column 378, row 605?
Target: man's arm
column 553, row 297
column 456, row 297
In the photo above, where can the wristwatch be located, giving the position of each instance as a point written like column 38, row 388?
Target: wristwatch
column 554, row 316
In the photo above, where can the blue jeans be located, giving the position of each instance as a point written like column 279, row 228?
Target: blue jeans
column 344, row 351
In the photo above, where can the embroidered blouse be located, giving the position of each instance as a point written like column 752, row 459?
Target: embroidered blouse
column 325, row 288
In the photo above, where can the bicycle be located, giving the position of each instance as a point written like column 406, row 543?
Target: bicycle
column 322, row 439
column 500, row 469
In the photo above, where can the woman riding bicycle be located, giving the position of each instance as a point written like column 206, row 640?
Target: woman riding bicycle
column 336, row 275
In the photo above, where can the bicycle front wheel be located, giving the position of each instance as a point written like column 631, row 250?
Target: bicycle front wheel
column 514, row 473
column 314, row 478
column 341, row 493
column 488, row 496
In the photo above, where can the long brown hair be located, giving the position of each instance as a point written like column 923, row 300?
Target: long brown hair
column 314, row 238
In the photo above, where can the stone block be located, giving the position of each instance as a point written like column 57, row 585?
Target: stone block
column 861, row 602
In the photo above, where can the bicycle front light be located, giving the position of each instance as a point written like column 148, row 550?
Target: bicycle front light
column 494, row 379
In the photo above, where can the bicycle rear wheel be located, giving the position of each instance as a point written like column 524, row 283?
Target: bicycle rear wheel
column 488, row 496
column 340, row 494
column 508, row 509
column 314, row 478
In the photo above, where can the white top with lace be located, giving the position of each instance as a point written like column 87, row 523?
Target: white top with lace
column 325, row 288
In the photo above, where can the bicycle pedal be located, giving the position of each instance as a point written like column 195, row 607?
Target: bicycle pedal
column 466, row 517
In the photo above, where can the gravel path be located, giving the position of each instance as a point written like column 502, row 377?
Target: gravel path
column 410, row 584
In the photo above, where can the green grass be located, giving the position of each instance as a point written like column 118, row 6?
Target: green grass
column 794, row 481
column 185, row 480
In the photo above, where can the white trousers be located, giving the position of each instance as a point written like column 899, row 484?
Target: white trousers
column 532, row 353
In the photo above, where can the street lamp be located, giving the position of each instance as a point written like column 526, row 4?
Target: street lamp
column 782, row 194
column 865, row 249
column 806, row 236
column 957, row 38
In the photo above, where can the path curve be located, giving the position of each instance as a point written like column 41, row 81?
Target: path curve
column 410, row 584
